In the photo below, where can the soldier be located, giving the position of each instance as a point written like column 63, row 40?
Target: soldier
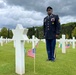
column 51, row 27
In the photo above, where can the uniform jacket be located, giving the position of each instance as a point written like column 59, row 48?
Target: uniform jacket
column 51, row 26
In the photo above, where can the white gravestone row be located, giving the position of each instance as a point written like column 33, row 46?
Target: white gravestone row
column 2, row 40
column 35, row 39
column 43, row 40
column 64, row 41
column 19, row 37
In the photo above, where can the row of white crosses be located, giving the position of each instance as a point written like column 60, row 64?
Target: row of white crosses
column 19, row 38
column 4, row 40
column 64, row 41
column 43, row 40
column 72, row 41
column 35, row 39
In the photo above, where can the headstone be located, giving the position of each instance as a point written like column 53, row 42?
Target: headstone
column 74, row 42
column 1, row 40
column 33, row 42
column 63, row 44
column 19, row 35
column 6, row 40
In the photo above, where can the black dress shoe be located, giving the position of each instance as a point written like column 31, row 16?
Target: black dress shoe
column 53, row 60
column 48, row 59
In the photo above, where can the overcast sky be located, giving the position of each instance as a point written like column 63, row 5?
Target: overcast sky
column 31, row 12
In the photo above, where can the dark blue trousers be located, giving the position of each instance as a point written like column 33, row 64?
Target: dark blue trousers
column 50, row 47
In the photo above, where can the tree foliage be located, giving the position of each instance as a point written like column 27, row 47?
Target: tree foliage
column 68, row 29
column 74, row 32
column 65, row 29
column 6, row 33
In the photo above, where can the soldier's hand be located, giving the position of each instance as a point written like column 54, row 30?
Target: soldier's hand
column 57, row 36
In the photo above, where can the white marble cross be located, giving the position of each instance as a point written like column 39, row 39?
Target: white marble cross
column 74, row 42
column 19, row 35
column 63, row 44
column 1, row 41
column 33, row 42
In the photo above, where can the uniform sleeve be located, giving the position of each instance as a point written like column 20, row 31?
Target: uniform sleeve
column 57, row 25
column 44, row 27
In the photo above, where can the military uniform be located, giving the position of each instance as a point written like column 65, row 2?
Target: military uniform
column 51, row 27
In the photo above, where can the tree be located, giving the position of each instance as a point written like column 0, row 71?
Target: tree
column 74, row 32
column 10, row 34
column 65, row 29
column 68, row 28
column 0, row 34
column 4, row 32
column 67, row 36
column 31, row 32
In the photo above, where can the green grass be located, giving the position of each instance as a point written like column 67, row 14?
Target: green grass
column 65, row 64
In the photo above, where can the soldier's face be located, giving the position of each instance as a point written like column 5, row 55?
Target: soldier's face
column 49, row 11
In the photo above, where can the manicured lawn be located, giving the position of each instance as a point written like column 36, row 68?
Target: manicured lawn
column 65, row 64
